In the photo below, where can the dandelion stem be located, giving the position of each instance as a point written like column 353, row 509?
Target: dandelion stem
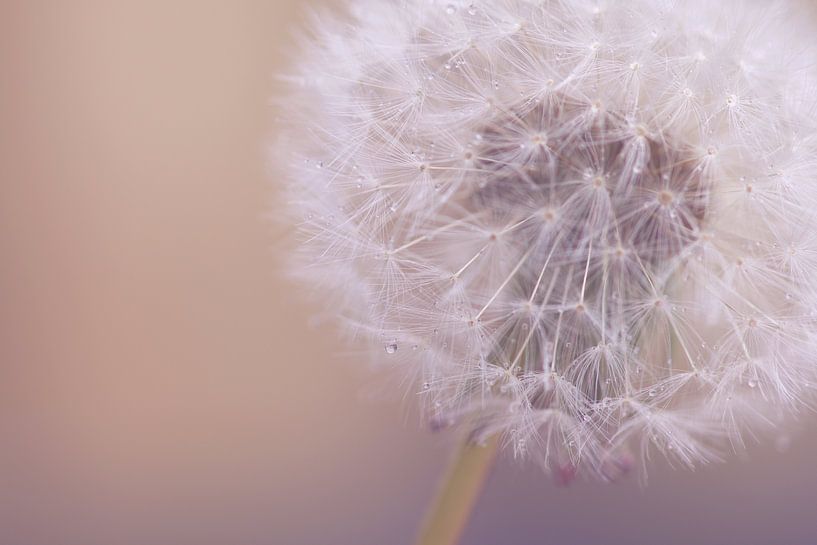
column 458, row 494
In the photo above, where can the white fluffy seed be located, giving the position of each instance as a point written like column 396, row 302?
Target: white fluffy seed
column 598, row 224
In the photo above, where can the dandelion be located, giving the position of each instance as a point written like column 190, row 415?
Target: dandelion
column 583, row 227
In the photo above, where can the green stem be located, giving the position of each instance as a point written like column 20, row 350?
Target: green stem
column 459, row 491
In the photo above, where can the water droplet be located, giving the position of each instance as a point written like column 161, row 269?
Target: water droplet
column 426, row 386
column 472, row 10
column 391, row 348
column 451, row 9
column 752, row 383
column 652, row 393
column 415, row 346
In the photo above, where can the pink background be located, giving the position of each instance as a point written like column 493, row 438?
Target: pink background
column 159, row 379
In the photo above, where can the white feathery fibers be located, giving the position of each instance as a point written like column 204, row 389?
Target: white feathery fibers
column 586, row 225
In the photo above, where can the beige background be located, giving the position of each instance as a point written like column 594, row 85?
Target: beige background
column 159, row 380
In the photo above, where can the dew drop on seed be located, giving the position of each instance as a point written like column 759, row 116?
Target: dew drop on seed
column 391, row 348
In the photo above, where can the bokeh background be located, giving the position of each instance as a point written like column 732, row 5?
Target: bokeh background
column 161, row 382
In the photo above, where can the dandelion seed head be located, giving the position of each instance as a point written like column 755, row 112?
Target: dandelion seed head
column 586, row 226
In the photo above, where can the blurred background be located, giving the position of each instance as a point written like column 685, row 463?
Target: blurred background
column 160, row 382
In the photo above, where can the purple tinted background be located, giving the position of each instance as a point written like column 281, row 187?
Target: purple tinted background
column 159, row 381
